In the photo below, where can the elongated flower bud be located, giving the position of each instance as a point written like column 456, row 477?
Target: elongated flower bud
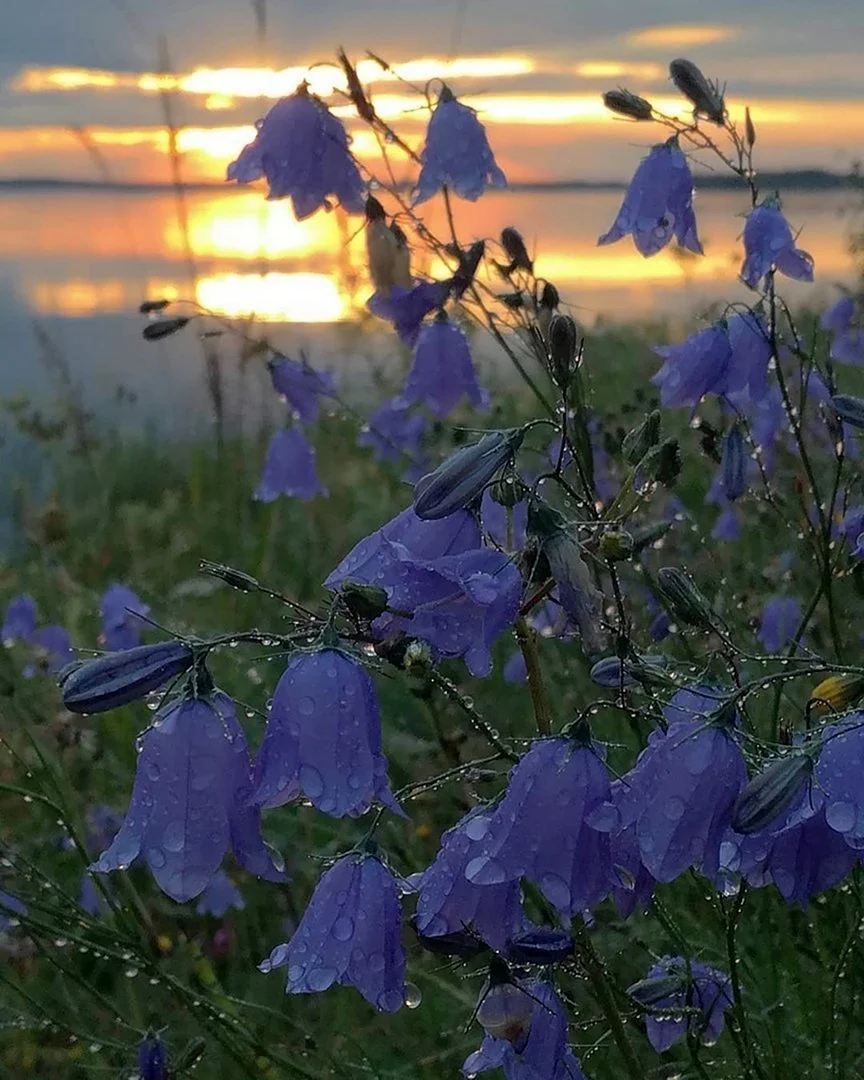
column 149, row 307
column 749, row 128
column 468, row 263
column 517, row 253
column 612, row 672
column 460, row 479
column 460, row 943
column 662, row 463
column 850, row 409
column 733, row 463
column 163, row 328
column 563, row 348
column 364, row 601
column 647, row 535
column 836, row 692
column 639, row 441
column 686, row 601
column 121, row 677
column 237, row 579
column 650, row 992
column 542, row 945
column 546, row 309
column 706, row 96
column 625, row 103
column 387, row 250
column 770, row 793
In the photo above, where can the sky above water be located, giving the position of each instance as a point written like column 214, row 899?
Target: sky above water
column 80, row 79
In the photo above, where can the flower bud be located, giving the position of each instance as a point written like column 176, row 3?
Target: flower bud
column 543, row 945
column 836, row 692
column 460, row 479
column 563, row 348
column 507, row 492
column 387, row 251
column 662, row 464
column 546, row 309
column 650, row 992
column 850, row 409
column 162, row 328
column 639, row 441
column 612, row 672
column 733, row 463
column 149, row 307
column 514, row 301
column 770, row 793
column 468, row 262
column 237, row 579
column 460, row 943
column 685, row 600
column 152, row 1059
column 514, row 247
column 418, row 660
column 365, row 601
column 749, row 128
column 616, row 545
column 648, row 535
column 705, row 95
column 626, row 104
column 121, row 677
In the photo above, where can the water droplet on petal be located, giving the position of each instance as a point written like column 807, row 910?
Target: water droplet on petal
column 343, row 928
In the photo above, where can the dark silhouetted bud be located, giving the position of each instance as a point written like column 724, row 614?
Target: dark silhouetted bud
column 460, row 943
column 162, row 328
column 685, row 601
column 640, row 440
column 626, row 104
column 771, row 792
column 387, row 251
column 549, row 301
column 705, row 95
column 850, row 409
column 563, row 348
column 653, row 991
column 734, row 463
column 151, row 306
column 460, row 479
column 647, row 535
column 517, row 253
column 612, row 672
column 361, row 103
column 364, row 601
column 121, row 677
column 468, row 262
column 749, row 128
column 237, row 579
column 514, row 300
column 540, row 946
column 616, row 545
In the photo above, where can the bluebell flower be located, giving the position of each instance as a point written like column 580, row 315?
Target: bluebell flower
column 769, row 245
column 302, row 150
column 190, row 801
column 814, row 390
column 852, row 529
column 539, row 830
column 407, row 308
column 123, row 613
column 696, row 367
column 658, row 204
column 10, row 907
column 456, row 153
column 349, row 934
column 750, row 343
column 19, row 620
column 780, row 618
column 220, row 895
column 532, row 1044
column 668, row 988
column 301, row 386
column 289, row 468
column 837, row 780
column 152, row 1059
column 448, row 902
column 395, row 431
column 460, row 596
column 632, row 882
column 681, row 791
column 54, row 651
column 323, row 738
column 442, row 371
column 767, row 423
column 843, row 322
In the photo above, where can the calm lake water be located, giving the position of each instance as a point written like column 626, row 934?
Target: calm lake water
column 78, row 263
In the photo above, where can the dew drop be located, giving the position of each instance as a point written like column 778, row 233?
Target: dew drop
column 413, row 996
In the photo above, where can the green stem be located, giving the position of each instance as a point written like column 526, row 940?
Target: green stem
column 539, row 699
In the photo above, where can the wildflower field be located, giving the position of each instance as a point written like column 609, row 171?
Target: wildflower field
column 492, row 729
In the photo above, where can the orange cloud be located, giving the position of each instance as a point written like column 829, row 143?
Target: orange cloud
column 681, row 37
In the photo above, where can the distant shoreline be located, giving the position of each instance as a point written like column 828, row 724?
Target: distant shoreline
column 789, row 180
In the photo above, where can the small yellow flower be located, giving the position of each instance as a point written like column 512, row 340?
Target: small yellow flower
column 836, row 692
column 423, row 831
column 164, row 944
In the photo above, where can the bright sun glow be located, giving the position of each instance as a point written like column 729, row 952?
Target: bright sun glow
column 273, row 297
column 682, row 37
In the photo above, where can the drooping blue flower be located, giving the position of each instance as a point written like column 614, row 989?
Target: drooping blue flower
column 852, row 529
column 681, row 791
column 632, row 882
column 191, row 801
column 767, row 423
column 667, row 988
column 540, row 829
column 456, row 153
column 302, row 150
column 54, row 651
column 843, row 322
column 696, row 367
column 152, row 1059
column 220, row 895
column 448, row 902
column 460, row 596
column 780, row 618
column 301, row 386
column 323, row 738
column 838, row 778
column 407, row 308
column 10, row 907
column 19, row 620
column 769, row 245
column 123, row 618
column 532, row 1044
column 734, row 463
column 395, row 431
column 442, row 371
column 658, row 204
column 349, row 934
column 750, row 342
column 289, row 468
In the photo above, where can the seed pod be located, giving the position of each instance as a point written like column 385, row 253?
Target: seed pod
column 612, row 672
column 563, row 349
column 850, row 409
column 237, row 579
column 517, row 253
column 733, row 463
column 749, row 128
column 705, row 95
column 625, row 103
column 121, row 677
column 836, row 692
column 365, row 601
column 162, row 328
column 387, row 252
column 546, row 308
column 651, row 992
column 639, row 441
column 616, row 545
column 540, row 946
column 685, row 600
column 468, row 262
column 460, row 479
column 460, row 943
column 648, row 535
column 662, row 463
column 771, row 792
